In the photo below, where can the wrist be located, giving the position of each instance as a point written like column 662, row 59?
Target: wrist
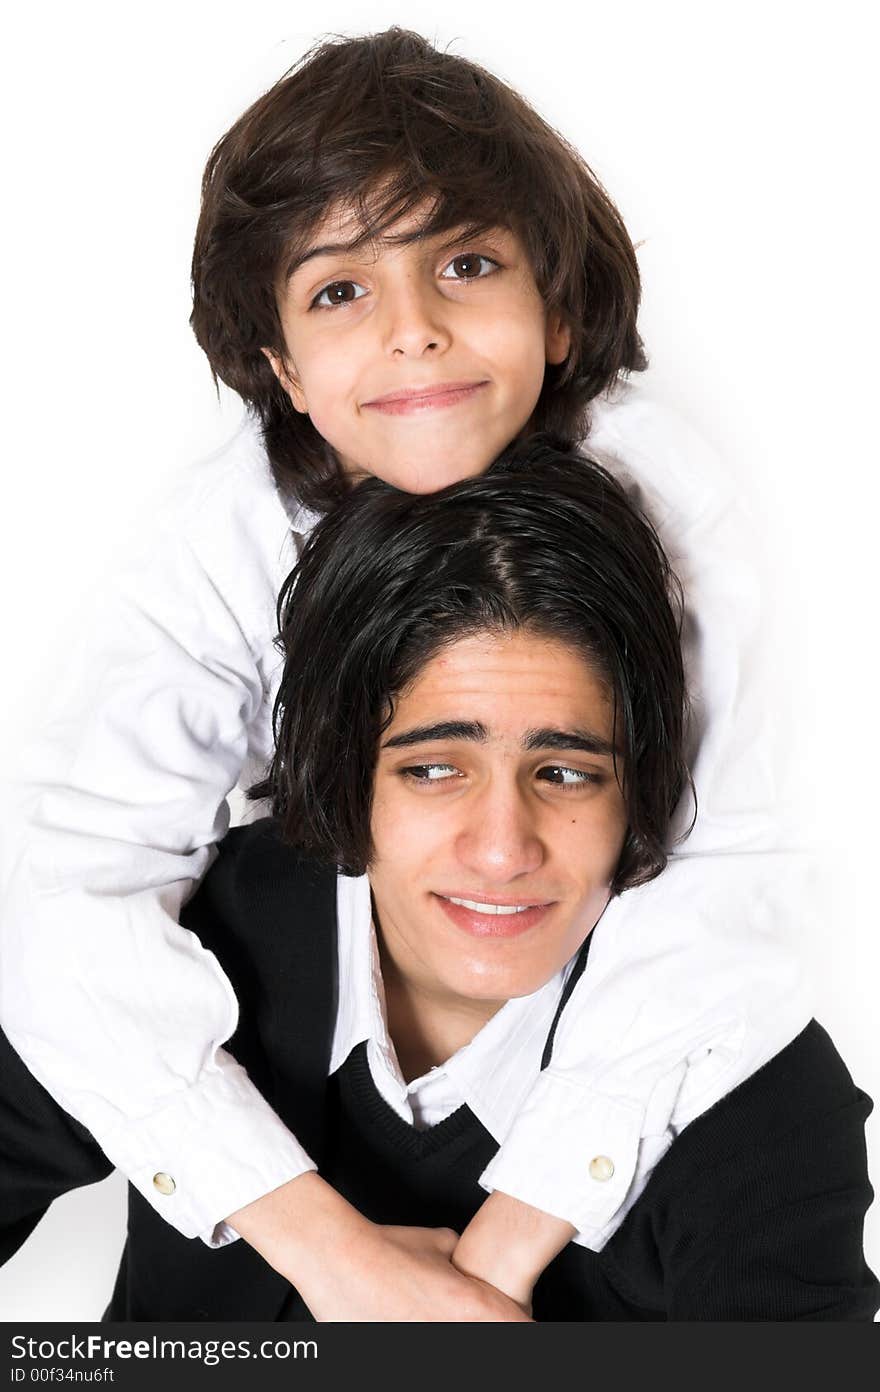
column 292, row 1226
column 508, row 1243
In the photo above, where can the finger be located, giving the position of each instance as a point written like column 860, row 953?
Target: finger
column 446, row 1240
column 442, row 1240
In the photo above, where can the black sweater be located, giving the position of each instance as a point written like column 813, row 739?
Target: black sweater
column 755, row 1212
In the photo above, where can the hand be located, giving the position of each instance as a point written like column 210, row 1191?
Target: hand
column 508, row 1244
column 395, row 1274
column 349, row 1269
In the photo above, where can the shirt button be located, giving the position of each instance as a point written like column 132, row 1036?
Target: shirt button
column 601, row 1168
column 164, row 1183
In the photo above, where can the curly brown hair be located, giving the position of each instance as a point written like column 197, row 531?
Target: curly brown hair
column 383, row 123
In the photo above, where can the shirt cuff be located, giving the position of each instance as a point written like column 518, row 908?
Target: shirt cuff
column 213, row 1149
column 584, row 1172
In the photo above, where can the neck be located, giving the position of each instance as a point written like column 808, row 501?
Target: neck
column 427, row 1028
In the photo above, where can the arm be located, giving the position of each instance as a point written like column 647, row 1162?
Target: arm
column 692, row 982
column 117, row 1010
column 768, row 1224
column 378, row 1274
column 115, row 1007
column 509, row 1243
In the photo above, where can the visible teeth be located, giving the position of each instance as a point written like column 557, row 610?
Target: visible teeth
column 491, row 908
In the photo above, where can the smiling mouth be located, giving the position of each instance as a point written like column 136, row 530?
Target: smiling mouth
column 484, row 919
column 490, row 908
column 425, row 398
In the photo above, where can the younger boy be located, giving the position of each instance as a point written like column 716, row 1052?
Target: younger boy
column 400, row 268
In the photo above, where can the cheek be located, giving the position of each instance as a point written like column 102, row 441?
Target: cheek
column 323, row 365
column 401, row 838
column 328, row 402
column 323, row 376
column 406, row 849
column 515, row 341
column 594, row 843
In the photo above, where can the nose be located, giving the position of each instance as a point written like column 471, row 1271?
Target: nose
column 500, row 839
column 414, row 320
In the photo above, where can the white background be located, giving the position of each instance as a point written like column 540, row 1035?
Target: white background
column 735, row 139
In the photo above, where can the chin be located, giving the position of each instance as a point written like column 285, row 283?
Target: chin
column 437, row 462
column 430, row 479
column 494, row 985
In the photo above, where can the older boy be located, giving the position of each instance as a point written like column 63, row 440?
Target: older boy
column 400, row 268
column 483, row 709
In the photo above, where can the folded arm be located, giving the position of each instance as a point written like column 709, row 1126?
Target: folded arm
column 120, row 1012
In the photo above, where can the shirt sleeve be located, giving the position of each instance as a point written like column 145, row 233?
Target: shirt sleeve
column 117, row 1010
column 694, row 980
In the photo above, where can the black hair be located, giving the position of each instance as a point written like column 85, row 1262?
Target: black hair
column 545, row 541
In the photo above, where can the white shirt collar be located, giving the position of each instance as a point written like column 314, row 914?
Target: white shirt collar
column 492, row 1074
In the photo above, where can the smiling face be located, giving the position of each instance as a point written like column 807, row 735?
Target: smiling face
column 497, row 820
column 417, row 360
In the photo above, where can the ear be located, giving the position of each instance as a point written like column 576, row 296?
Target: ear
column 288, row 379
column 557, row 338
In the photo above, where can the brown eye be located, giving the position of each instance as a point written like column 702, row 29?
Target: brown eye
column 563, row 777
column 430, row 773
column 470, row 265
column 339, row 292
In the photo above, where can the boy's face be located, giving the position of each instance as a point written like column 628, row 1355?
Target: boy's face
column 418, row 362
column 495, row 785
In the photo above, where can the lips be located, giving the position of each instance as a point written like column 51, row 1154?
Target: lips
column 425, row 398
column 479, row 907
column 489, row 919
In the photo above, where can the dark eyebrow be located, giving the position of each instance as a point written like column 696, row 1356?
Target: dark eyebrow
column 328, row 249
column 456, row 235
column 443, row 730
column 584, row 740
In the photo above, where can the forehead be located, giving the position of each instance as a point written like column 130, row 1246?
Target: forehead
column 367, row 222
column 349, row 219
column 510, row 683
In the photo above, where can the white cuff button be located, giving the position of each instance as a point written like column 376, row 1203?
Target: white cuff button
column 165, row 1184
column 601, row 1168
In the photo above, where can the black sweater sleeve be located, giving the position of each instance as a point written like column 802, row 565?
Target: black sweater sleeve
column 764, row 1216
column 43, row 1152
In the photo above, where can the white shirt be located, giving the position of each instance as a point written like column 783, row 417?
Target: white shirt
column 492, row 1074
column 122, row 1014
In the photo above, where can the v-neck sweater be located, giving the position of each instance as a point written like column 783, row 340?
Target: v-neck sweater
column 741, row 1217
column 755, row 1212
